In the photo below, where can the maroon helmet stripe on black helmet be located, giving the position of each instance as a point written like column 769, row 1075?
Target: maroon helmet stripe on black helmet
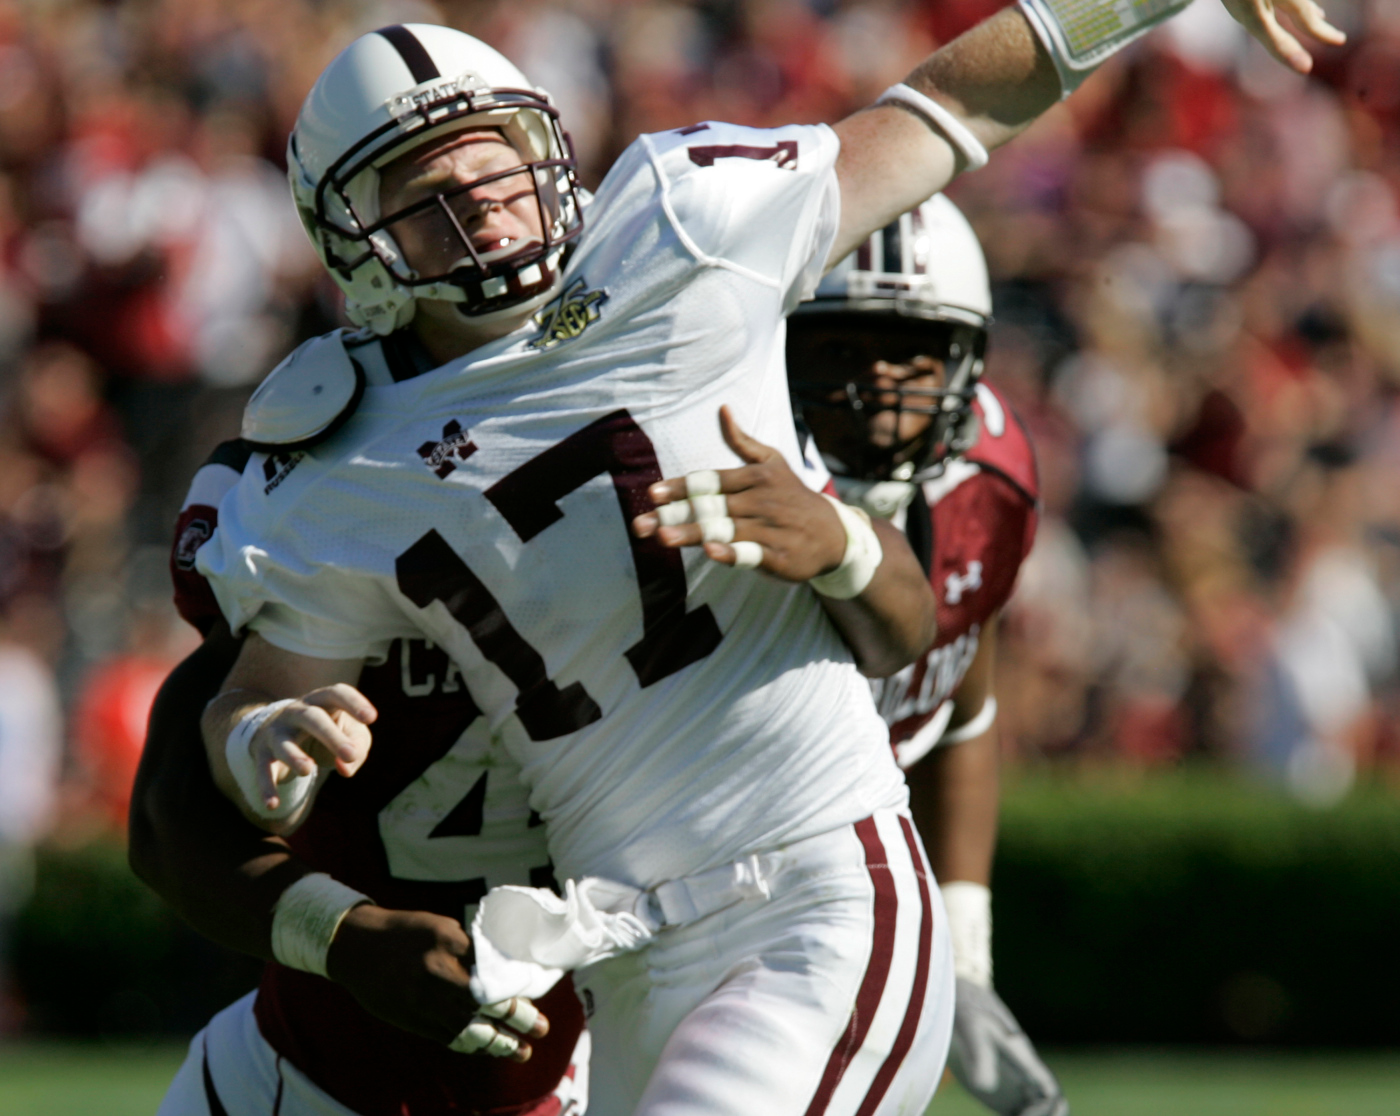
column 415, row 55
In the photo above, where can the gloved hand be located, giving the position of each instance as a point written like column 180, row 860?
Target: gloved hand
column 994, row 1060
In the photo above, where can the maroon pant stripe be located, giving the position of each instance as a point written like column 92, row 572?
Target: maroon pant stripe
column 905, row 1039
column 877, row 971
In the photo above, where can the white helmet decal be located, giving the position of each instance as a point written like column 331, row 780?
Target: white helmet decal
column 392, row 90
column 927, row 263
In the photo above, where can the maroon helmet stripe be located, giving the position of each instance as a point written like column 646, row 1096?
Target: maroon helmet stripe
column 905, row 1039
column 877, row 970
column 414, row 54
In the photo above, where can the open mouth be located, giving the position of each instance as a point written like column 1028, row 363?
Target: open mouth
column 494, row 247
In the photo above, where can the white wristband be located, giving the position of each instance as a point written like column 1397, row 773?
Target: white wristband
column 969, row 908
column 291, row 793
column 986, row 717
column 305, row 920
column 1080, row 34
column 862, row 558
column 953, row 130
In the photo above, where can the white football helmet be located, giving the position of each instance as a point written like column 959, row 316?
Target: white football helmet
column 918, row 286
column 392, row 90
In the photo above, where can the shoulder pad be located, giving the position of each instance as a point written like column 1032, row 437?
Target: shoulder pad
column 306, row 398
column 1003, row 445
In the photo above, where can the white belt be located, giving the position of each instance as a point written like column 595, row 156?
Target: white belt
column 526, row 938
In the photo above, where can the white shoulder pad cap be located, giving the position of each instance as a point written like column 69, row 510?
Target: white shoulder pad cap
column 306, row 398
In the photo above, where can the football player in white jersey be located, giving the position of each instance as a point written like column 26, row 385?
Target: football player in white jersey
column 754, row 930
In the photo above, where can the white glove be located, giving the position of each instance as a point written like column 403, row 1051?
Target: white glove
column 994, row 1060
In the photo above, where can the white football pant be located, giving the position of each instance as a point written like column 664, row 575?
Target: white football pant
column 834, row 997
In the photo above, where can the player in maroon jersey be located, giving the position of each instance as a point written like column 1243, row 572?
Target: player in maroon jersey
column 364, row 1042
column 885, row 364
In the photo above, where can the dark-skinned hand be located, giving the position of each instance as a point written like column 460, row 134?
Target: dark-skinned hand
column 411, row 969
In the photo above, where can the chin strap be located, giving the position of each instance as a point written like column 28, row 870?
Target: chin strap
column 878, row 499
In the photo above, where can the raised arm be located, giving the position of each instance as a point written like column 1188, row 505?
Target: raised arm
column 990, row 83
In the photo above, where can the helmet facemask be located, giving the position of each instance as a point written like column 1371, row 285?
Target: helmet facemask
column 358, row 241
column 902, row 425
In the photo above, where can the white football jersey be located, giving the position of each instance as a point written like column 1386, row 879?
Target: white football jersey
column 668, row 713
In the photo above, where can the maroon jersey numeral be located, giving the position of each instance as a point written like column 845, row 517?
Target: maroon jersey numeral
column 429, row 571
column 528, row 498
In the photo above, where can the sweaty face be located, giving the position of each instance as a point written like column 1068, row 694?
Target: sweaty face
column 868, row 389
column 498, row 216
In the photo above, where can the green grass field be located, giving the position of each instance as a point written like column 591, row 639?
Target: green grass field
column 96, row 1080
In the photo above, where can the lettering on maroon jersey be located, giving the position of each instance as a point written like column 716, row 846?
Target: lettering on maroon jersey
column 906, row 699
column 442, row 457
column 277, row 467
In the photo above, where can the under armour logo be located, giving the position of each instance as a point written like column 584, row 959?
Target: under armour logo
column 442, row 457
column 958, row 584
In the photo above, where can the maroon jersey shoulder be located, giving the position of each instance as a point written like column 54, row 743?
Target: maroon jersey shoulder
column 1004, row 447
column 984, row 519
column 983, row 512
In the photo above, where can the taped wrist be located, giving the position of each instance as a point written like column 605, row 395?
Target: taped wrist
column 969, row 908
column 238, row 753
column 862, row 558
column 1080, row 34
column 305, row 920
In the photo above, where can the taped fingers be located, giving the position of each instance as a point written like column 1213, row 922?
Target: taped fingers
column 694, row 510
column 703, row 482
column 482, row 1036
column 718, row 530
column 517, row 1013
column 709, row 511
column 747, row 555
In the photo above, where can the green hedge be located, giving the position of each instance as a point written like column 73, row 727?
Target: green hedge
column 98, row 954
column 1177, row 909
column 1193, row 909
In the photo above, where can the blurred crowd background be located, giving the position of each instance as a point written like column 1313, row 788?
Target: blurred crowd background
column 1197, row 287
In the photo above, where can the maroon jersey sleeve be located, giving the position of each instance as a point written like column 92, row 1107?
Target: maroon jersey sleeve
column 198, row 518
column 984, row 514
column 984, row 525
